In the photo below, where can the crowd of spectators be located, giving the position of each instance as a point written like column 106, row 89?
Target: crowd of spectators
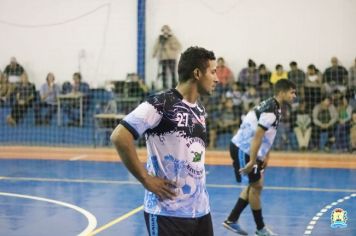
column 322, row 118
column 18, row 93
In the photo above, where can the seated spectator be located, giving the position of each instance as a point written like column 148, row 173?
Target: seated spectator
column 282, row 140
column 13, row 71
column 250, row 97
column 213, row 107
column 353, row 131
column 48, row 99
column 352, row 77
column 224, row 75
column 249, row 76
column 72, row 108
column 24, row 95
column 6, row 90
column 325, row 117
column 140, row 89
column 298, row 77
column 343, row 127
column 278, row 74
column 313, row 88
column 302, row 126
column 265, row 86
column 226, row 122
column 335, row 77
column 236, row 95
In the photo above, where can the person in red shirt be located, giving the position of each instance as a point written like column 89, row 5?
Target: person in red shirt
column 224, row 75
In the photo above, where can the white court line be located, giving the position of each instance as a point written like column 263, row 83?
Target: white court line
column 309, row 229
column 119, row 182
column 91, row 218
column 78, row 157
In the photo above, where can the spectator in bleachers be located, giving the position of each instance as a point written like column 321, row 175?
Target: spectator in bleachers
column 212, row 105
column 224, row 75
column 249, row 76
column 249, row 97
column 335, row 77
column 335, row 97
column 325, row 117
column 72, row 108
column 265, row 86
column 236, row 93
column 141, row 90
column 225, row 121
column 353, row 131
column 352, row 77
column 6, row 90
column 282, row 140
column 48, row 100
column 24, row 96
column 343, row 127
column 298, row 77
column 302, row 126
column 14, row 70
column 278, row 74
column 313, row 88
column 166, row 49
column 228, row 122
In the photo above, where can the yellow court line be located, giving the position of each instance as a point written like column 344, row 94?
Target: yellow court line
column 121, row 218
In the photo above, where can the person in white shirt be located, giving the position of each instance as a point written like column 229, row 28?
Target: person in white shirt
column 249, row 149
column 176, row 200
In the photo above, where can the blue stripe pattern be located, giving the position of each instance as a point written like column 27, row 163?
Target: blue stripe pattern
column 242, row 161
column 153, row 225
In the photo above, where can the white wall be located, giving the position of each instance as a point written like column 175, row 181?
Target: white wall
column 268, row 31
column 48, row 35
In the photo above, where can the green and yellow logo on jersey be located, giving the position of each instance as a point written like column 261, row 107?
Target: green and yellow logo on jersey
column 197, row 156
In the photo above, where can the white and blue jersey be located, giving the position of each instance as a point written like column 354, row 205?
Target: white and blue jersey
column 266, row 115
column 176, row 140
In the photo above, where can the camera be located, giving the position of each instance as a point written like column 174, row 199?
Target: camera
column 163, row 38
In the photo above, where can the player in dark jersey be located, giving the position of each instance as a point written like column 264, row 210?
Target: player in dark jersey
column 173, row 122
column 249, row 149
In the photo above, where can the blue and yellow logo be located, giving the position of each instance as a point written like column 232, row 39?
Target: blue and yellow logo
column 338, row 218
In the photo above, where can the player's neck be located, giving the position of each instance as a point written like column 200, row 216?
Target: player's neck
column 279, row 100
column 188, row 91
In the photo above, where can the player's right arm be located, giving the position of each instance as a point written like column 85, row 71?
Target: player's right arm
column 123, row 141
column 255, row 146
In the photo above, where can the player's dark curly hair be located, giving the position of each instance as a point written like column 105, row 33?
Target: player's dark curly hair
column 191, row 59
column 283, row 85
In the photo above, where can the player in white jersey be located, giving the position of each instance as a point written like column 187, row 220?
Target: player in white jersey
column 249, row 149
column 173, row 122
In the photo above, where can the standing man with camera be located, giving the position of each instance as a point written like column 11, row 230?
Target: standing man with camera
column 166, row 49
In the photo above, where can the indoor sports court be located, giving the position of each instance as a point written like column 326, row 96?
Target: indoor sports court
column 71, row 71
column 53, row 190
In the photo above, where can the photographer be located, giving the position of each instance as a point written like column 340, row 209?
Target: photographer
column 166, row 49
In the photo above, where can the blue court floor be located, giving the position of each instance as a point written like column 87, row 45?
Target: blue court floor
column 40, row 197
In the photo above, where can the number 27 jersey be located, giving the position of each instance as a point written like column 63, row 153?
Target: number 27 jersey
column 175, row 133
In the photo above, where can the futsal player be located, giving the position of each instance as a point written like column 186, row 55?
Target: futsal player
column 249, row 149
column 176, row 200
